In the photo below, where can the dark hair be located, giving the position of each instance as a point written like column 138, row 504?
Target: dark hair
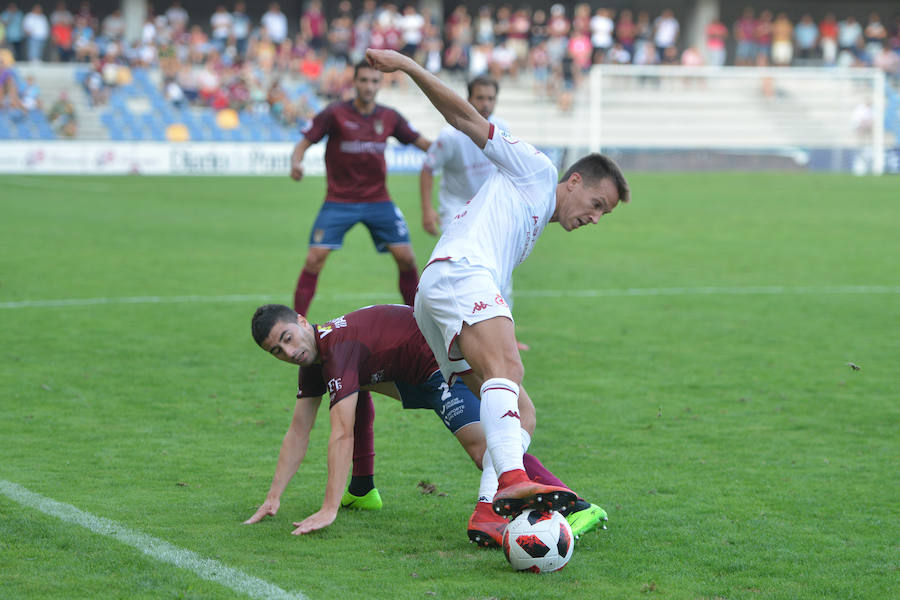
column 363, row 64
column 596, row 167
column 483, row 80
column 265, row 318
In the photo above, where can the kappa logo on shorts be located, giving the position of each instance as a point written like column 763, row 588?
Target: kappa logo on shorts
column 318, row 236
column 479, row 306
column 511, row 413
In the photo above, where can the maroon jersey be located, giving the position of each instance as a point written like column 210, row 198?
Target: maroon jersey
column 367, row 346
column 354, row 155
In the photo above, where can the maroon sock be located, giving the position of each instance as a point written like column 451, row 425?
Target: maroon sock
column 306, row 289
column 409, row 281
column 364, row 436
column 538, row 472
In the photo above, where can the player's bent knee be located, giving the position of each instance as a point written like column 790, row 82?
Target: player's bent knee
column 511, row 369
column 405, row 258
column 528, row 421
column 471, row 438
column 315, row 259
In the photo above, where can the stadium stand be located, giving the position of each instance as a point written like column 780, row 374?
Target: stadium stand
column 541, row 53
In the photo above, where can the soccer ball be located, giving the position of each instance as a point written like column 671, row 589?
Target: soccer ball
column 538, row 541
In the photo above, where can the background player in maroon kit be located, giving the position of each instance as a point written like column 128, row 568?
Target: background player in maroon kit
column 357, row 133
column 376, row 348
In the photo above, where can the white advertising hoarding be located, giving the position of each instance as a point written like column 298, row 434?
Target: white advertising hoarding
column 150, row 158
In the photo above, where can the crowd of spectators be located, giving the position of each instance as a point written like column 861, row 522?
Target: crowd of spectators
column 228, row 59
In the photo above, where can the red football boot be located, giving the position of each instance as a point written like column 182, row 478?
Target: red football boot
column 486, row 527
column 517, row 492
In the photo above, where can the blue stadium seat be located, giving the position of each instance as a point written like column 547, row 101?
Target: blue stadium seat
column 36, row 116
column 117, row 101
column 155, row 95
column 20, row 81
column 129, row 119
column 196, row 132
column 159, row 105
column 265, row 119
column 158, row 133
column 140, row 77
column 186, row 116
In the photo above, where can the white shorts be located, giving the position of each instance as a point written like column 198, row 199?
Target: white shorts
column 453, row 292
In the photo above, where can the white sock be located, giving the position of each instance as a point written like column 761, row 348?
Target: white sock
column 488, row 486
column 501, row 423
column 526, row 440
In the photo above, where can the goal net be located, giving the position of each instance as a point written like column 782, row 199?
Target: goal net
column 824, row 119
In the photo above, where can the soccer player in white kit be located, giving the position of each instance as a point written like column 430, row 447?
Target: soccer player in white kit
column 463, row 165
column 459, row 307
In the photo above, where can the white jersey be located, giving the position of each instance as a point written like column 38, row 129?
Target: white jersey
column 498, row 228
column 463, row 166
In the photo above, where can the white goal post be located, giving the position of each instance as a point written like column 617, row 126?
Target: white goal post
column 792, row 110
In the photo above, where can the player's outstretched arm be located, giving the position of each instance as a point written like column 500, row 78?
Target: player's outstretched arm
column 340, row 455
column 422, row 143
column 297, row 159
column 456, row 110
column 293, row 450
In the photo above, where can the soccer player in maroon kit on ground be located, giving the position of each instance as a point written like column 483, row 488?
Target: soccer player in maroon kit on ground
column 377, row 348
column 356, row 171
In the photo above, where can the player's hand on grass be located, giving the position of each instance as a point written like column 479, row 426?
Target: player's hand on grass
column 296, row 170
column 430, row 221
column 386, row 61
column 314, row 522
column 268, row 509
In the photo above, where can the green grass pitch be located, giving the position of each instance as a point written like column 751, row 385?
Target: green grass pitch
column 711, row 409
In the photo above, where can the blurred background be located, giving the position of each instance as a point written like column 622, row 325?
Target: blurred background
column 133, row 86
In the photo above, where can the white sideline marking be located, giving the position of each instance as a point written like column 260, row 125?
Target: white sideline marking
column 207, row 568
column 771, row 290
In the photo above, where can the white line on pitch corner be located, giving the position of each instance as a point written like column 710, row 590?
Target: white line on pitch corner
column 776, row 290
column 760, row 290
column 207, row 568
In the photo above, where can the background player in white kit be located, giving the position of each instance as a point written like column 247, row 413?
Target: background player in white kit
column 464, row 168
column 459, row 307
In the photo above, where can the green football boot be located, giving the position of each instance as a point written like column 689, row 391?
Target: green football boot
column 371, row 501
column 585, row 517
